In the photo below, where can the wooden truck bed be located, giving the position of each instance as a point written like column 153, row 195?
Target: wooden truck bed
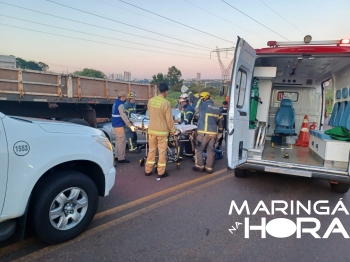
column 37, row 86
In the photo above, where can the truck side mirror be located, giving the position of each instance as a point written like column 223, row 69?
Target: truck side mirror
column 222, row 91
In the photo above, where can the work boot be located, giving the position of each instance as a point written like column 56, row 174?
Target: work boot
column 135, row 151
column 189, row 155
column 148, row 174
column 125, row 161
column 161, row 176
column 209, row 171
column 196, row 168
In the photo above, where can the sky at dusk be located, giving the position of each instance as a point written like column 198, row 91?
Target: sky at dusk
column 113, row 36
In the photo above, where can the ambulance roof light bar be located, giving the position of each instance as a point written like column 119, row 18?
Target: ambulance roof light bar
column 307, row 41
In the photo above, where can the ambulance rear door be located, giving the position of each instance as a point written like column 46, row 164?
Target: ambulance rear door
column 239, row 96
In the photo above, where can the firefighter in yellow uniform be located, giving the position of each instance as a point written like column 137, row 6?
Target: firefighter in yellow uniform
column 160, row 124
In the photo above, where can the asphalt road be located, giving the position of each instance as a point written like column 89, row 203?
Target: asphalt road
column 185, row 217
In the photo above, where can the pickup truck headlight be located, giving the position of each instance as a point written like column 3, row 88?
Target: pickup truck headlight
column 104, row 141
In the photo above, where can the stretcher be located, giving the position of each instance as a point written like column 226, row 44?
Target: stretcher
column 173, row 149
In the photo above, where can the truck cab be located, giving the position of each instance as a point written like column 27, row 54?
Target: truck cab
column 291, row 80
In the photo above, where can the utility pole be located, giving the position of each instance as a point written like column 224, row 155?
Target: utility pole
column 225, row 71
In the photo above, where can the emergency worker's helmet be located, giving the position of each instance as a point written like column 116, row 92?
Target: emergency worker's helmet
column 184, row 96
column 205, row 95
column 182, row 100
column 131, row 95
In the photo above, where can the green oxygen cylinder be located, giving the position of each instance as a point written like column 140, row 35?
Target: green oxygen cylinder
column 254, row 99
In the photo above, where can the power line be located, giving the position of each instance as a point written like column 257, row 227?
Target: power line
column 173, row 21
column 87, row 40
column 110, row 19
column 254, row 20
column 224, row 19
column 99, row 35
column 67, row 19
column 281, row 17
column 138, row 13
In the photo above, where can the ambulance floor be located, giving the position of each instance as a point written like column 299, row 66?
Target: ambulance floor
column 298, row 155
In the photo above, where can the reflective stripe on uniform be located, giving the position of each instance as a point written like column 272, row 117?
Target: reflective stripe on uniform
column 195, row 156
column 157, row 102
column 206, row 132
column 152, row 132
column 150, row 162
column 130, row 144
column 207, row 115
column 198, row 102
column 116, row 115
column 199, row 166
column 159, row 164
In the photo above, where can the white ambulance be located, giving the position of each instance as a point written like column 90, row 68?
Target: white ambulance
column 293, row 80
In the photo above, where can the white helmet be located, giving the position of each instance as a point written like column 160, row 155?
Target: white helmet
column 184, row 96
column 182, row 100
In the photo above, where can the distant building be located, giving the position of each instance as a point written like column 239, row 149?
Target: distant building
column 127, row 76
column 7, row 61
column 119, row 77
column 198, row 77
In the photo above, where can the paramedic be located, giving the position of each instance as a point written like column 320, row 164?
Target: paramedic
column 178, row 104
column 186, row 119
column 119, row 121
column 196, row 101
column 210, row 127
column 223, row 111
column 160, row 124
column 130, row 108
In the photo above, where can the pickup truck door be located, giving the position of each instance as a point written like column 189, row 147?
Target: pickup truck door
column 3, row 165
column 239, row 103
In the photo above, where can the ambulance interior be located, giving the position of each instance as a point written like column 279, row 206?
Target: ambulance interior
column 291, row 87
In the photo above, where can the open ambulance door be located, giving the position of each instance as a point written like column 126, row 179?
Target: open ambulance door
column 239, row 104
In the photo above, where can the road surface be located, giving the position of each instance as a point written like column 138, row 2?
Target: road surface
column 185, row 217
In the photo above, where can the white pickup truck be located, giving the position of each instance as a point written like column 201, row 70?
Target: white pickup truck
column 51, row 176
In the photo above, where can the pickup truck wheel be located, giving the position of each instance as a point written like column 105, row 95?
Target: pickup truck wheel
column 240, row 172
column 340, row 187
column 64, row 204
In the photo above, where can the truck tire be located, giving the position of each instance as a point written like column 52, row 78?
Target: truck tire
column 7, row 229
column 76, row 121
column 240, row 172
column 63, row 206
column 340, row 187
